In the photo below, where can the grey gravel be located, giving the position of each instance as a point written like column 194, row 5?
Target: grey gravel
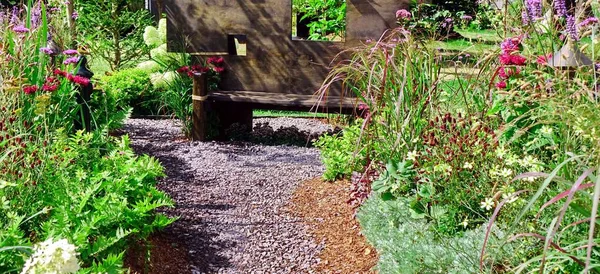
column 231, row 198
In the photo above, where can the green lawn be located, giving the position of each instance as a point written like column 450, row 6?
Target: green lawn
column 490, row 36
column 463, row 46
column 295, row 114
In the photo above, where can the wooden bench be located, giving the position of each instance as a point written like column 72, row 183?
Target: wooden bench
column 231, row 107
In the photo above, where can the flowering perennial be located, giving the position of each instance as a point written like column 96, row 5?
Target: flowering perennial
column 403, row 14
column 52, row 257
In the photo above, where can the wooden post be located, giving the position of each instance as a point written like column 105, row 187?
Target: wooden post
column 71, row 23
column 199, row 116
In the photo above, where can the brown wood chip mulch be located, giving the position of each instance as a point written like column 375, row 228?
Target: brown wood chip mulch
column 324, row 207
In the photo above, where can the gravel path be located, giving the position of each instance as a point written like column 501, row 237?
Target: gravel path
column 231, row 198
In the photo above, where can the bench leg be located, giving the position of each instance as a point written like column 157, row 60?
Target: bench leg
column 233, row 117
column 200, row 106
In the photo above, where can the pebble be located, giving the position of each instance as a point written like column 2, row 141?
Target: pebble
column 230, row 197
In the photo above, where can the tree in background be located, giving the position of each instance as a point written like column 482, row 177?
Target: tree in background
column 113, row 30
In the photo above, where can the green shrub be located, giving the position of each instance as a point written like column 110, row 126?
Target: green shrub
column 407, row 243
column 337, row 153
column 113, row 30
column 86, row 191
column 327, row 18
column 109, row 198
column 132, row 88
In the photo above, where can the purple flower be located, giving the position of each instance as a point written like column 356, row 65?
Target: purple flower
column 20, row 29
column 466, row 17
column 524, row 18
column 48, row 51
column 510, row 45
column 403, row 14
column 588, row 21
column 572, row 28
column 36, row 16
column 70, row 52
column 14, row 19
column 75, row 15
column 597, row 66
column 561, row 7
column 71, row 60
column 534, row 8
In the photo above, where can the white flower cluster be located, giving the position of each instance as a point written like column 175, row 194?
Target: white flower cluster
column 52, row 258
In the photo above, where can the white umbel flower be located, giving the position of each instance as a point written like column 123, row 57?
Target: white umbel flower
column 52, row 257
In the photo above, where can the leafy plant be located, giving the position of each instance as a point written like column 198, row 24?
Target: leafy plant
column 113, row 30
column 57, row 183
column 327, row 19
column 406, row 244
column 337, row 153
column 132, row 88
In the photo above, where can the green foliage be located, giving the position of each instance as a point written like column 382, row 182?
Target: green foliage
column 113, row 30
column 406, row 244
column 327, row 18
column 337, row 153
column 132, row 88
column 88, row 188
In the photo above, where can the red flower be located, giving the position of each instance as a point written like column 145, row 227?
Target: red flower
column 543, row 59
column 512, row 59
column 505, row 59
column 219, row 70
column 505, row 73
column 184, row 69
column 30, row 89
column 79, row 80
column 201, row 69
column 518, row 60
column 215, row 61
column 60, row 72
column 501, row 85
column 50, row 87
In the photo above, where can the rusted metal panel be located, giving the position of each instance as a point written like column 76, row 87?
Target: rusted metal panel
column 275, row 63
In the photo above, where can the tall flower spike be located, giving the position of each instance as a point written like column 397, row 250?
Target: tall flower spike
column 572, row 28
column 560, row 7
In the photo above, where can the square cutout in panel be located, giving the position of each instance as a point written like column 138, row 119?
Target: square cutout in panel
column 236, row 44
column 319, row 20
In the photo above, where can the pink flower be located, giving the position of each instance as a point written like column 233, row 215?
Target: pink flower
column 501, row 85
column 49, row 87
column 403, row 14
column 70, row 52
column 511, row 45
column 183, row 69
column 219, row 70
column 588, row 21
column 505, row 59
column 80, row 80
column 505, row 73
column 543, row 59
column 71, row 60
column 20, row 29
column 60, row 73
column 48, row 51
column 215, row 60
column 30, row 89
column 518, row 60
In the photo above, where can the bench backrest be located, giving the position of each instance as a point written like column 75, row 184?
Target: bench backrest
column 275, row 62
